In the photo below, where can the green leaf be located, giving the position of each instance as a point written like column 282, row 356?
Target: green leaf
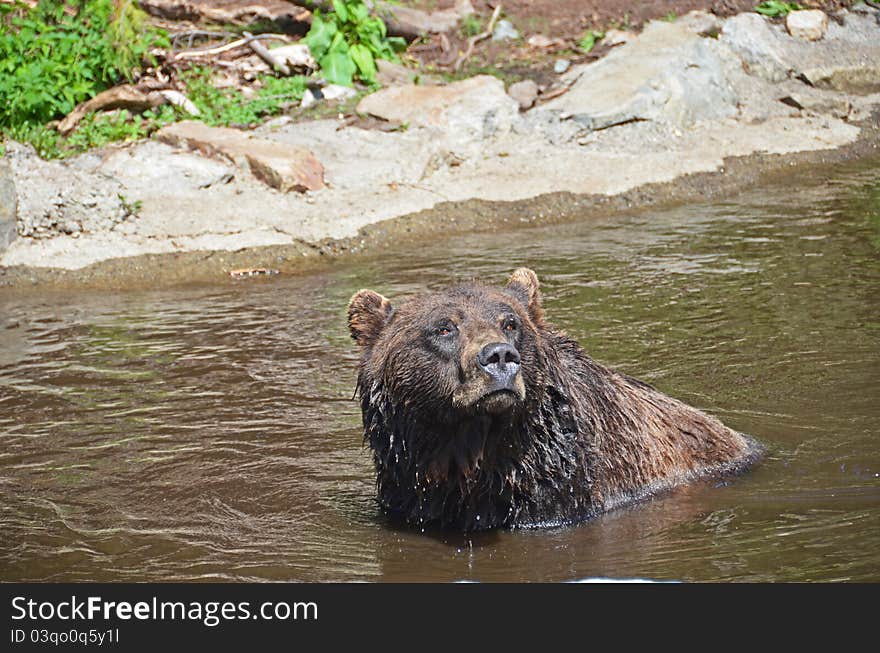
column 339, row 44
column 341, row 11
column 320, row 35
column 774, row 8
column 338, row 68
column 589, row 40
column 364, row 61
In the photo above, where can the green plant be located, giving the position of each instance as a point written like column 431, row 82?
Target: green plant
column 671, row 17
column 471, row 25
column 57, row 54
column 774, row 8
column 589, row 39
column 96, row 130
column 347, row 41
column 230, row 107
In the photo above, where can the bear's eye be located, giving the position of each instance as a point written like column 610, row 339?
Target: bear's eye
column 509, row 325
column 444, row 330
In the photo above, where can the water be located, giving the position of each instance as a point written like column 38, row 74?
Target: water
column 210, row 433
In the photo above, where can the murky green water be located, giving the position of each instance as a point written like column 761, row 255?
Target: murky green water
column 209, row 434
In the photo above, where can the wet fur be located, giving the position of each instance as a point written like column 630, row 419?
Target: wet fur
column 585, row 440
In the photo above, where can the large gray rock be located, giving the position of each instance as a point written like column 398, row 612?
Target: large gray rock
column 761, row 48
column 668, row 74
column 847, row 58
column 8, row 206
column 283, row 167
column 472, row 108
column 55, row 198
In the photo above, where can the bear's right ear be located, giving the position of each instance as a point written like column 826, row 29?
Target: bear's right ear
column 523, row 285
column 368, row 313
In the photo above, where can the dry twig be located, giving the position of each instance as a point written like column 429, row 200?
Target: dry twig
column 267, row 56
column 220, row 49
column 476, row 39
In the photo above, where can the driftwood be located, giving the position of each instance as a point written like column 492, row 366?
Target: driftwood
column 126, row 96
column 226, row 47
column 266, row 56
column 479, row 37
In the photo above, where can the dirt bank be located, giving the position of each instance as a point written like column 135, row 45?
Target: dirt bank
column 447, row 219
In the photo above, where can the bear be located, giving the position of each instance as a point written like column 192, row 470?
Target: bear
column 481, row 414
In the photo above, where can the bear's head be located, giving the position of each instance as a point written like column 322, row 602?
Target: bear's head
column 450, row 356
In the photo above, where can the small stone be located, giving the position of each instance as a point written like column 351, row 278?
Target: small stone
column 617, row 37
column 561, row 66
column 335, row 92
column 540, row 42
column 809, row 24
column 504, row 31
column 524, row 92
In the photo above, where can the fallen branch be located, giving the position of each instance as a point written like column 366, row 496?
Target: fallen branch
column 118, row 97
column 267, row 56
column 220, row 49
column 476, row 39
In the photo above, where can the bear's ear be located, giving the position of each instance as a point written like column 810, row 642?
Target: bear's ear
column 368, row 313
column 523, row 285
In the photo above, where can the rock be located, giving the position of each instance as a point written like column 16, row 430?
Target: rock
column 504, row 31
column 617, row 37
column 820, row 102
column 8, row 207
column 701, row 22
column 331, row 93
column 525, row 93
column 539, row 42
column 76, row 201
column 475, row 107
column 809, row 24
column 752, row 39
column 667, row 75
column 846, row 59
column 296, row 55
column 561, row 66
column 389, row 73
column 283, row 167
column 412, row 23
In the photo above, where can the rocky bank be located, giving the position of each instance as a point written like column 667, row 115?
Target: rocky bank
column 680, row 98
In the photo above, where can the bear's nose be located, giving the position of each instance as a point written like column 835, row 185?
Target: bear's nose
column 500, row 360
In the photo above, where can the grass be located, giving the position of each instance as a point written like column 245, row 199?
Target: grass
column 55, row 56
column 775, row 8
column 230, row 108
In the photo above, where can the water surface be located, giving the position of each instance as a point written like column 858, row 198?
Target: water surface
column 210, row 434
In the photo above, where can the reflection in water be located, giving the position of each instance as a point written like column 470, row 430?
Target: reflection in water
column 209, row 433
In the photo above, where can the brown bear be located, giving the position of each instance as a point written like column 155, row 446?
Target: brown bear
column 480, row 414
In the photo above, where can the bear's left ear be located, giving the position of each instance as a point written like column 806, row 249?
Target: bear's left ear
column 523, row 285
column 368, row 313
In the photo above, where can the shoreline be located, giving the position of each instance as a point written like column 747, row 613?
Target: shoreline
column 180, row 269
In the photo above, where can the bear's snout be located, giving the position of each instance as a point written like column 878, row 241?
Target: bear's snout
column 501, row 362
